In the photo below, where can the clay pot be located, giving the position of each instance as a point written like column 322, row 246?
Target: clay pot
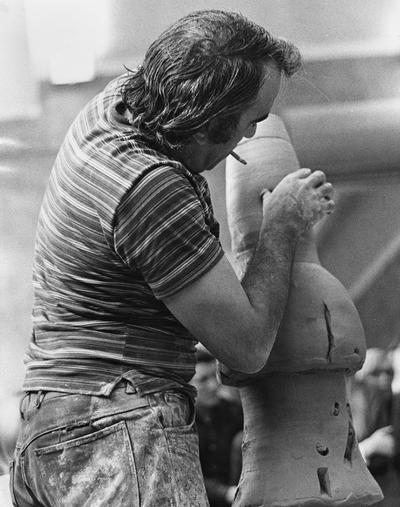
column 299, row 446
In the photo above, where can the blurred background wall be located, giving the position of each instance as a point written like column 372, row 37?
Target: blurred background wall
column 342, row 111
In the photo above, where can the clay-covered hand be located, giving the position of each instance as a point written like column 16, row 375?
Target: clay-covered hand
column 300, row 199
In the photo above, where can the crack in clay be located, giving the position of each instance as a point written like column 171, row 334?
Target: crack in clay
column 324, row 481
column 350, row 444
column 331, row 338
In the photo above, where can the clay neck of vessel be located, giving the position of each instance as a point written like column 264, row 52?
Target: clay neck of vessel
column 306, row 250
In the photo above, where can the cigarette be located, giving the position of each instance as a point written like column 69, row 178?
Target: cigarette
column 238, row 158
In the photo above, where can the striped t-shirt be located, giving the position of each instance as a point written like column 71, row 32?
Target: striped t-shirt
column 121, row 227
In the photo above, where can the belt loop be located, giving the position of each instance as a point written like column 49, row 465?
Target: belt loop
column 21, row 410
column 130, row 388
column 39, row 399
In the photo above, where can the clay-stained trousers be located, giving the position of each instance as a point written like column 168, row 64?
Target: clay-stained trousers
column 124, row 450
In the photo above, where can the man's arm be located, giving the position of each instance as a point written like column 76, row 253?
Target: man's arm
column 238, row 321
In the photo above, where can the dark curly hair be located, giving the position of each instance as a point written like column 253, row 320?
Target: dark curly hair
column 202, row 73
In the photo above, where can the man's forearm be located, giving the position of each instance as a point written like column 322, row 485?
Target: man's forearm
column 267, row 279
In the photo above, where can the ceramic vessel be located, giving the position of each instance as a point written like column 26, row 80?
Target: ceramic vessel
column 299, row 446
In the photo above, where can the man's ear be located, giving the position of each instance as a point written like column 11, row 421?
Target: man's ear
column 200, row 137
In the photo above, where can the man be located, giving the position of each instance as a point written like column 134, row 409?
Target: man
column 129, row 273
column 371, row 402
column 219, row 422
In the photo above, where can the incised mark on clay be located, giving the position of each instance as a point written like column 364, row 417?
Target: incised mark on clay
column 324, row 482
column 323, row 450
column 351, row 440
column 331, row 338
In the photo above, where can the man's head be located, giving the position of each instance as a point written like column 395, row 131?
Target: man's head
column 209, row 390
column 377, row 371
column 201, row 74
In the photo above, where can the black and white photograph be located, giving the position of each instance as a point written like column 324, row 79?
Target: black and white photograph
column 200, row 253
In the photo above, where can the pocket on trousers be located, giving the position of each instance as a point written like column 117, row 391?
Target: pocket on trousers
column 97, row 469
column 176, row 410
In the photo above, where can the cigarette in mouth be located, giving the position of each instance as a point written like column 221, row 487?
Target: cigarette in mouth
column 238, row 158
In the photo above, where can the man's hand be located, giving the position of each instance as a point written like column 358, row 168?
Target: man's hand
column 300, row 200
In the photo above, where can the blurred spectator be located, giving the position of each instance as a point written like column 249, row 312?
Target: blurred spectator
column 9, row 425
column 371, row 401
column 396, row 406
column 219, row 422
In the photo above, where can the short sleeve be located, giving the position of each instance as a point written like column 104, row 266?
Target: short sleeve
column 163, row 230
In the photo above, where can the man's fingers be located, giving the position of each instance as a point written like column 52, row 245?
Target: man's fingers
column 328, row 205
column 317, row 178
column 326, row 190
column 302, row 173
